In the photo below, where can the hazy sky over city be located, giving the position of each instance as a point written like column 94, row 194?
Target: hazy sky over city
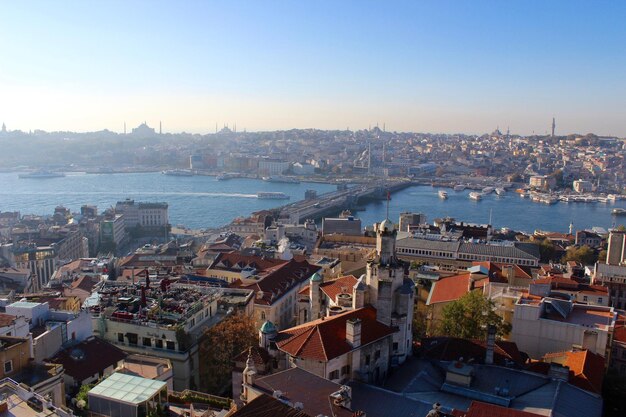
column 436, row 66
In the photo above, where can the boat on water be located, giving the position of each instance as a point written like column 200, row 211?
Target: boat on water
column 227, row 176
column 443, row 194
column 267, row 195
column 524, row 195
column 487, row 190
column 42, row 174
column 282, row 179
column 476, row 196
column 500, row 191
column 618, row 212
column 459, row 187
column 178, row 172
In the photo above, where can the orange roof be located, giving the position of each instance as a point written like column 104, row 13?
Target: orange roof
column 586, row 368
column 449, row 289
column 338, row 286
column 325, row 339
column 478, row 409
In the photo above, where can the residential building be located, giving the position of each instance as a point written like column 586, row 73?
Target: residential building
column 184, row 312
column 87, row 362
column 351, row 345
column 551, row 324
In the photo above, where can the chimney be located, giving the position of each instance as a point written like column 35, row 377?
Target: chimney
column 491, row 341
column 353, row 332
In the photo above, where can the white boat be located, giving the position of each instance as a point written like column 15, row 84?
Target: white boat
column 459, row 187
column 178, row 172
column 618, row 212
column 267, row 195
column 487, row 190
column 443, row 194
column 475, row 196
column 500, row 191
column 524, row 195
column 611, row 198
column 42, row 174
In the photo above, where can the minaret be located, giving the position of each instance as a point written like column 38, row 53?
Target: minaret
column 571, row 227
column 4, row 128
column 553, row 125
column 124, row 127
column 160, row 128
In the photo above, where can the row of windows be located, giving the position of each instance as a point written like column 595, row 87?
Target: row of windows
column 465, row 256
column 133, row 340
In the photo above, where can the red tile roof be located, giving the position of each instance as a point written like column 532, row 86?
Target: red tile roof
column 338, row 286
column 449, row 289
column 281, row 280
column 586, row 368
column 235, row 261
column 452, row 348
column 479, row 409
column 325, row 339
column 267, row 406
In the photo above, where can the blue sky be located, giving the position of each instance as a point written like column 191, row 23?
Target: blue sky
column 436, row 66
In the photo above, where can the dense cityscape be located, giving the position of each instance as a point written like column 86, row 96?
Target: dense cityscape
column 302, row 309
column 312, row 209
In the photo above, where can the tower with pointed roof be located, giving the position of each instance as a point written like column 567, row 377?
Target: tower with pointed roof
column 390, row 290
column 249, row 374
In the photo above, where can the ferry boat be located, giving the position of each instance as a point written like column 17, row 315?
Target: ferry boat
column 282, row 179
column 178, row 172
column 42, row 174
column 268, row 195
column 500, row 191
column 227, row 176
column 443, row 194
column 459, row 187
column 475, row 196
column 618, row 212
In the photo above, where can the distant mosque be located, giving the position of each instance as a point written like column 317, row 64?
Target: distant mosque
column 143, row 130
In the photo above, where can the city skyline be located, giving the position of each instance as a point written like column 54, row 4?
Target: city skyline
column 448, row 67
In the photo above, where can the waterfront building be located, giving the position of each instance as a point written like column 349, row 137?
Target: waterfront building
column 582, row 186
column 269, row 166
column 408, row 219
column 542, row 182
column 345, row 225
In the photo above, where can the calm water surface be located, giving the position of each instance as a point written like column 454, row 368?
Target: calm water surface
column 201, row 202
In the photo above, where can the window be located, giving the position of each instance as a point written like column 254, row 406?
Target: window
column 132, row 338
column 334, row 375
column 600, row 300
column 377, row 355
column 345, row 370
column 120, row 337
column 147, row 341
column 584, row 298
column 8, row 367
column 395, row 346
column 262, row 315
column 367, row 360
column 158, row 343
column 171, row 345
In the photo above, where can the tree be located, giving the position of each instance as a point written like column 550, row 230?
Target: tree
column 219, row 345
column 583, row 254
column 469, row 317
column 547, row 250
